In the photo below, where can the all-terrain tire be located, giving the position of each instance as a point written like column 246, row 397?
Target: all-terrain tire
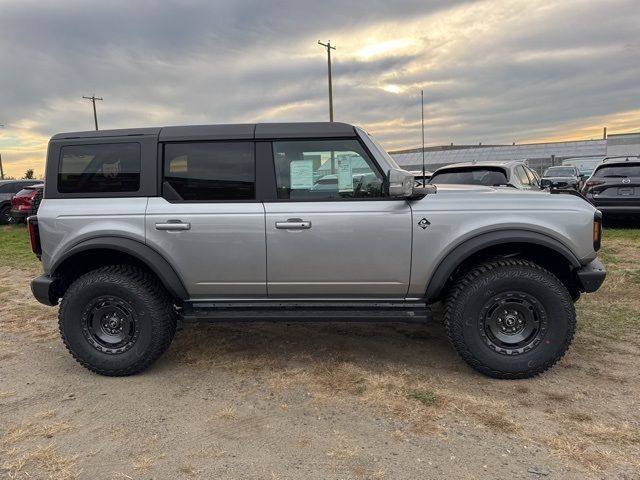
column 130, row 293
column 474, row 318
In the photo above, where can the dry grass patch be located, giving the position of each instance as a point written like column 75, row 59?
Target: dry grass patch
column 41, row 459
column 144, row 461
column 227, row 413
column 188, row 470
column 28, row 431
column 7, row 394
column 343, row 449
column 22, row 314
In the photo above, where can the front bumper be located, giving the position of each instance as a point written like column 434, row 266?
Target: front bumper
column 591, row 276
column 43, row 288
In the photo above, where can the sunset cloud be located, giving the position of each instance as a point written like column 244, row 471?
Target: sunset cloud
column 492, row 71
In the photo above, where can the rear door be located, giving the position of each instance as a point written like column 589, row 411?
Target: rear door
column 207, row 222
column 331, row 233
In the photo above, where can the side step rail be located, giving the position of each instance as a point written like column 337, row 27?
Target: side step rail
column 417, row 312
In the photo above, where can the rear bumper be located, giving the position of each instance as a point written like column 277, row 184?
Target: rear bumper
column 42, row 288
column 20, row 215
column 591, row 276
column 632, row 209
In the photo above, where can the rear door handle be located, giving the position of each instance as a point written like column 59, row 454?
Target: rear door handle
column 173, row 225
column 294, row 224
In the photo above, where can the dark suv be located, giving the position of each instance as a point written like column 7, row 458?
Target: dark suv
column 614, row 186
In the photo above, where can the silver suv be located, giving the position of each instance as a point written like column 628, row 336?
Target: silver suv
column 141, row 228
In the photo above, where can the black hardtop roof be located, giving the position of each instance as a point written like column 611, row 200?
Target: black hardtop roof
column 224, row 132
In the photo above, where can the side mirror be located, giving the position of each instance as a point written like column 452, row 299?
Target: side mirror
column 545, row 183
column 402, row 184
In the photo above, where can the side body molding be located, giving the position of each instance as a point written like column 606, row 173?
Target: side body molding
column 467, row 248
column 145, row 254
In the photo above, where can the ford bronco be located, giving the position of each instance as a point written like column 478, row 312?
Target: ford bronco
column 141, row 228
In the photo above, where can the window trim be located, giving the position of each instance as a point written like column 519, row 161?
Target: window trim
column 162, row 160
column 273, row 198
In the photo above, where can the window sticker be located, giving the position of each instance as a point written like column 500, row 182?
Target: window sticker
column 345, row 175
column 301, row 172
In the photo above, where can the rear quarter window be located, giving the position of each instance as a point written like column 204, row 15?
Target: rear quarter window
column 98, row 168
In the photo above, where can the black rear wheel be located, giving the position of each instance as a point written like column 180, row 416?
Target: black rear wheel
column 117, row 320
column 5, row 215
column 510, row 318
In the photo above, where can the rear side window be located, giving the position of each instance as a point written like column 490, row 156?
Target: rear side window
column 210, row 171
column 471, row 176
column 108, row 167
column 632, row 170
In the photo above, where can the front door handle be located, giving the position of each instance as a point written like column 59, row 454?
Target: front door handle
column 294, row 224
column 173, row 225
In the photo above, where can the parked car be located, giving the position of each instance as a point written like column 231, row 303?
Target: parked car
column 562, row 176
column 511, row 173
column 25, row 203
column 226, row 224
column 8, row 188
column 585, row 165
column 614, row 187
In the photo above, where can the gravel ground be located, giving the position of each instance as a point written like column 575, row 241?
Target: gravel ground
column 325, row 401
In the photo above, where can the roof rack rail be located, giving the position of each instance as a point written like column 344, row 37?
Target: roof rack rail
column 626, row 157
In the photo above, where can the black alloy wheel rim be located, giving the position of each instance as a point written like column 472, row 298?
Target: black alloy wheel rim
column 109, row 325
column 512, row 323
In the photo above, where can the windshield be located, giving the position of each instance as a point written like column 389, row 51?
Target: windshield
column 379, row 148
column 559, row 172
column 490, row 177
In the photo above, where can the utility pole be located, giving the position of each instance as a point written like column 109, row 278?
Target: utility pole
column 329, row 48
column 1, row 169
column 422, row 111
column 93, row 99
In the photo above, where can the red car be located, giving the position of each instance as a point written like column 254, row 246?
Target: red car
column 25, row 203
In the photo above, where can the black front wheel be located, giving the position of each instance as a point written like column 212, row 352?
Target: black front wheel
column 510, row 318
column 117, row 320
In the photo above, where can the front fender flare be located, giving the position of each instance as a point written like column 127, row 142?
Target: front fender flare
column 464, row 250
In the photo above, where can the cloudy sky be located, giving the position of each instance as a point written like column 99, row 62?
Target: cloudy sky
column 492, row 71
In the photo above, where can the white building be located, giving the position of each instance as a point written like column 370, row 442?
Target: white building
column 538, row 155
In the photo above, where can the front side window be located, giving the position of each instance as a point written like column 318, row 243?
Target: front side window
column 107, row 167
column 325, row 170
column 533, row 177
column 210, row 171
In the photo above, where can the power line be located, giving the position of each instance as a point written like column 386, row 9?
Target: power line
column 329, row 48
column 93, row 99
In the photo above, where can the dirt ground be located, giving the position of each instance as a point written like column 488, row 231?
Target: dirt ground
column 318, row 401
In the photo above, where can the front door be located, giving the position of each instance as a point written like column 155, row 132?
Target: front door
column 208, row 223
column 331, row 234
